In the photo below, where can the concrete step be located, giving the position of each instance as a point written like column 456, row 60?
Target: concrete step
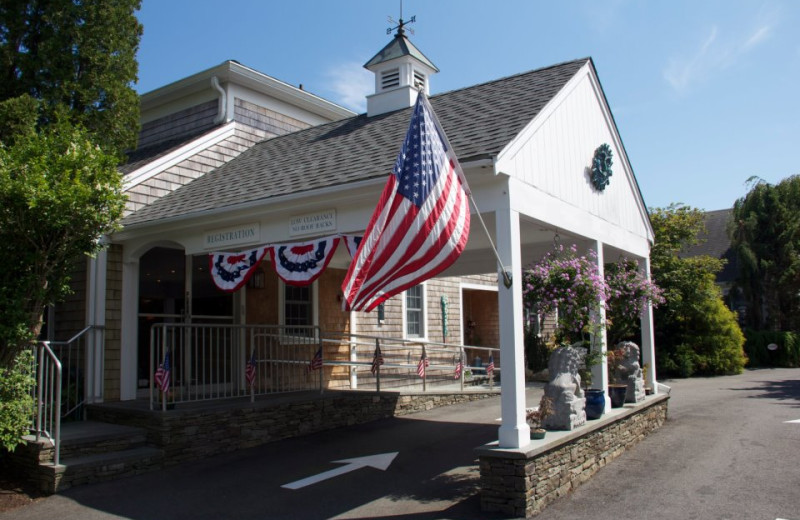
column 81, row 439
column 98, row 467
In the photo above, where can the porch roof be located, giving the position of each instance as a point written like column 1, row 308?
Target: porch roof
column 479, row 120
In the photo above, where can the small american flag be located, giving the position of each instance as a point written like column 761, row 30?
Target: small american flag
column 459, row 369
column 423, row 363
column 316, row 361
column 162, row 374
column 250, row 369
column 377, row 360
column 490, row 366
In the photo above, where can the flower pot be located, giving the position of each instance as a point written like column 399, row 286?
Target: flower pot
column 617, row 395
column 538, row 433
column 595, row 403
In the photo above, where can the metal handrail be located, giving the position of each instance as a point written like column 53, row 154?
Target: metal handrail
column 210, row 361
column 48, row 398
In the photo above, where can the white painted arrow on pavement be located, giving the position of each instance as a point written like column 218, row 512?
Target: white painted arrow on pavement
column 796, row 421
column 380, row 461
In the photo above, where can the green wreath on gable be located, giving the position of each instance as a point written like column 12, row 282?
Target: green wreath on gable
column 601, row 167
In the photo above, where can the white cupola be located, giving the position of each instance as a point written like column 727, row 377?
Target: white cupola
column 401, row 70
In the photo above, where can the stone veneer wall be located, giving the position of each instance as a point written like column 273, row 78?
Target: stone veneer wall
column 521, row 483
column 193, row 434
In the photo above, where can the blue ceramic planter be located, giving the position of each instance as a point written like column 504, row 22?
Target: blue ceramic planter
column 595, row 403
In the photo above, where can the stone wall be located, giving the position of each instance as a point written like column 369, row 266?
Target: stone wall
column 196, row 433
column 521, row 483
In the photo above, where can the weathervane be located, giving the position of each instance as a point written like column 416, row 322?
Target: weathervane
column 401, row 25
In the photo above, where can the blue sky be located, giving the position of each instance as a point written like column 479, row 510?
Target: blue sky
column 705, row 94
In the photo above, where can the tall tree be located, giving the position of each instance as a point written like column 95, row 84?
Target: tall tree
column 59, row 193
column 765, row 233
column 695, row 331
column 78, row 58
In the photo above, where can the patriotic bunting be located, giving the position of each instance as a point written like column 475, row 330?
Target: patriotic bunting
column 352, row 242
column 459, row 369
column 296, row 264
column 301, row 264
column 490, row 367
column 232, row 270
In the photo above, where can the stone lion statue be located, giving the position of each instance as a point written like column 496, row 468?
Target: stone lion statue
column 564, row 390
column 630, row 372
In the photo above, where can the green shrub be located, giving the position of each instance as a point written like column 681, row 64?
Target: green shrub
column 787, row 354
column 16, row 401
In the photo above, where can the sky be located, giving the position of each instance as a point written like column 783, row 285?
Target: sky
column 705, row 93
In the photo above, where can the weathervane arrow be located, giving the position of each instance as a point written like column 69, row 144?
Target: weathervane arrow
column 380, row 461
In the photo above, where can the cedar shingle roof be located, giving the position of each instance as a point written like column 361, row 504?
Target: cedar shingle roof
column 479, row 121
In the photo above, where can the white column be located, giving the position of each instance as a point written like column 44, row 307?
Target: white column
column 95, row 317
column 514, row 431
column 648, row 338
column 600, row 370
column 129, row 342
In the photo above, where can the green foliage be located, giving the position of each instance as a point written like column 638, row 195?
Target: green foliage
column 59, row 193
column 79, row 59
column 765, row 233
column 787, row 354
column 16, row 401
column 695, row 332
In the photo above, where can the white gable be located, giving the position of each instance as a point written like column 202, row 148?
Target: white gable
column 551, row 161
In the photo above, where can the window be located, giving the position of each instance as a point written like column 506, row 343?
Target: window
column 297, row 309
column 415, row 312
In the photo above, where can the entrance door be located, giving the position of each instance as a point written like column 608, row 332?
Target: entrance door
column 164, row 275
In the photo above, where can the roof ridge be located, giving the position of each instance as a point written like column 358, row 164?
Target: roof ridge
column 510, row 76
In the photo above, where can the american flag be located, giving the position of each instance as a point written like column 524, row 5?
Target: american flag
column 250, row 369
column 162, row 374
column 421, row 223
column 490, row 366
column 459, row 369
column 316, row 361
column 422, row 365
column 377, row 359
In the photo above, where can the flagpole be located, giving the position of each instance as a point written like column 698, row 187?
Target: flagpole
column 507, row 277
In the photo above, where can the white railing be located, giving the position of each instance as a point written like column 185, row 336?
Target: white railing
column 209, row 362
column 401, row 361
column 47, row 393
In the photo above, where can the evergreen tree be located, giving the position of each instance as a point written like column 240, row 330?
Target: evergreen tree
column 765, row 234
column 78, row 58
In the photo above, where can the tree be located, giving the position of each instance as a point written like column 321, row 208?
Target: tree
column 765, row 234
column 78, row 57
column 695, row 332
column 59, row 193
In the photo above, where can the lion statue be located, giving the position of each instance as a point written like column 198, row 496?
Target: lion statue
column 564, row 390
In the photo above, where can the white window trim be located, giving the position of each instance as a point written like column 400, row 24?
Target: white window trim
column 424, row 336
column 282, row 303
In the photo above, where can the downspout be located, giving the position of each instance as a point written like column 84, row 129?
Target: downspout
column 222, row 111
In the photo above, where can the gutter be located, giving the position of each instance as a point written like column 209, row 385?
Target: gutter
column 222, row 111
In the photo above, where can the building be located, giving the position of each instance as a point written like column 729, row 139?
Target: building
column 231, row 159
